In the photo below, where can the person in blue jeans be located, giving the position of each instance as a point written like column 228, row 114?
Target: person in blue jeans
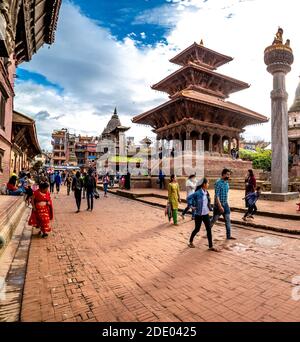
column 200, row 202
column 221, row 206
column 106, row 180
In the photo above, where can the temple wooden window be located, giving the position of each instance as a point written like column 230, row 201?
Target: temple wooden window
column 3, row 99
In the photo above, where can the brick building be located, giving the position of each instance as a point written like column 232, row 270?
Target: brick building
column 25, row 25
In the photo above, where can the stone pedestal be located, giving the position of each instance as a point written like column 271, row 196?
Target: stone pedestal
column 279, row 197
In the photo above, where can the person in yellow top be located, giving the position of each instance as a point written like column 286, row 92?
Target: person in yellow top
column 174, row 197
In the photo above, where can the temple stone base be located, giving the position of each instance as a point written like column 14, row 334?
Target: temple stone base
column 285, row 197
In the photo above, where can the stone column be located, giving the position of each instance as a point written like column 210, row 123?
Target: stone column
column 210, row 143
column 188, row 143
column 279, row 58
column 221, row 144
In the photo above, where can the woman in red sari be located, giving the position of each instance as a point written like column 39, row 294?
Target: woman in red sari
column 42, row 209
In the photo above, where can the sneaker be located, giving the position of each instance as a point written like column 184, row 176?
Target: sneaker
column 191, row 245
column 231, row 238
column 44, row 235
column 244, row 219
column 252, row 217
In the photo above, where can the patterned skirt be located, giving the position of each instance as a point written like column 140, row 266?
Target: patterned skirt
column 41, row 218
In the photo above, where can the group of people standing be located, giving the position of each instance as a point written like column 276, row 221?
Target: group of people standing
column 199, row 201
column 88, row 184
column 42, row 206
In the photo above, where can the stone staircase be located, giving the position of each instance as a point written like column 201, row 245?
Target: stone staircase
column 11, row 211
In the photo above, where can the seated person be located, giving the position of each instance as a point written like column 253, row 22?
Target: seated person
column 12, row 189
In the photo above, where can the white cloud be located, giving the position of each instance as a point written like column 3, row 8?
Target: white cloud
column 97, row 72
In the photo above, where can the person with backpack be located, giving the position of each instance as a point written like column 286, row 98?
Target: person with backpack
column 90, row 185
column 77, row 186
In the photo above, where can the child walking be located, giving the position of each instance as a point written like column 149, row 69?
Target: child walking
column 251, row 200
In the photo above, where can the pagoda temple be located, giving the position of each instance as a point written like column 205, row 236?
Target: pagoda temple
column 198, row 109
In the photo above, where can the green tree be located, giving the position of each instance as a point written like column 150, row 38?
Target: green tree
column 262, row 159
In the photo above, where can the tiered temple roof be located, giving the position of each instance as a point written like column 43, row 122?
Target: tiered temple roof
column 201, row 55
column 197, row 100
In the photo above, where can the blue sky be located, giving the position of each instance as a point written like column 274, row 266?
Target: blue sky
column 121, row 18
column 109, row 53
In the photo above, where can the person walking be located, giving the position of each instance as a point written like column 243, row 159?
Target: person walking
column 190, row 189
column 221, row 206
column 68, row 182
column 105, row 182
column 201, row 203
column 250, row 185
column 77, row 186
column 57, row 182
column 29, row 189
column 63, row 177
column 251, row 199
column 174, row 197
column 90, row 185
column 161, row 179
column 42, row 210
column 52, row 182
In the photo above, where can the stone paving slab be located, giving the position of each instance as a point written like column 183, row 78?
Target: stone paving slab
column 124, row 262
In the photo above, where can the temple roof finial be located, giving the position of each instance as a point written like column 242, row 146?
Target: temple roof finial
column 115, row 111
column 278, row 37
column 201, row 42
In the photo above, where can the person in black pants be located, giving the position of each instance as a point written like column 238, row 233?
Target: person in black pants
column 251, row 199
column 77, row 185
column 90, row 185
column 200, row 202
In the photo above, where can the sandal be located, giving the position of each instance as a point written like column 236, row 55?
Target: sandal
column 213, row 249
